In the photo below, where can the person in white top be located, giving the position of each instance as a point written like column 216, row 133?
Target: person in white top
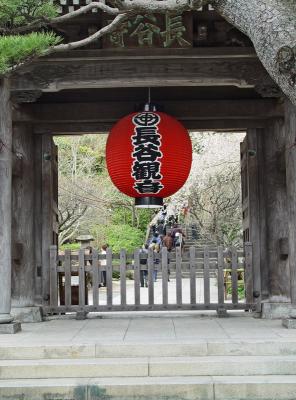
column 103, row 263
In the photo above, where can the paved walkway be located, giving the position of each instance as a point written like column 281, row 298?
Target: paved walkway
column 162, row 328
column 130, row 292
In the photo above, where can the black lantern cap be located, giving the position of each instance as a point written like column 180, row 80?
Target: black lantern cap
column 148, row 202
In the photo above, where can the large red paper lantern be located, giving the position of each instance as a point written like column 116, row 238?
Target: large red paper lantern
column 149, row 156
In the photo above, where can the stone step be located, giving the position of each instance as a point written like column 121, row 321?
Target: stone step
column 164, row 349
column 144, row 367
column 222, row 365
column 276, row 387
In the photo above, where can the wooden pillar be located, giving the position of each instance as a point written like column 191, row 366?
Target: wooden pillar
column 5, row 201
column 274, row 180
column 38, row 219
column 49, row 193
column 254, row 208
column 262, row 215
column 23, row 186
column 290, row 122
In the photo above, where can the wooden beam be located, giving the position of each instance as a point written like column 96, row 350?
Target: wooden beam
column 110, row 112
column 137, row 68
column 79, row 128
column 99, row 117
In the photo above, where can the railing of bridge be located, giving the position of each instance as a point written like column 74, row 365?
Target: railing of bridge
column 199, row 279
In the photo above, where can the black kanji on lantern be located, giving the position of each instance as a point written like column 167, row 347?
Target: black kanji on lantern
column 148, row 186
column 147, row 152
column 146, row 169
column 145, row 135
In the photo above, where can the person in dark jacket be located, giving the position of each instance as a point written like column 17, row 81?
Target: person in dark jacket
column 143, row 264
column 168, row 242
column 160, row 227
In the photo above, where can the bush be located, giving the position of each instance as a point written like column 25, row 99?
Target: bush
column 116, row 275
column 124, row 237
column 70, row 246
column 130, row 275
column 240, row 291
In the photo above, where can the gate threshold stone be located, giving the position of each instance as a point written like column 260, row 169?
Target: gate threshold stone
column 27, row 314
column 289, row 323
column 11, row 328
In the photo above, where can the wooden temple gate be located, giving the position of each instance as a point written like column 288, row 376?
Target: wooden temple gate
column 210, row 80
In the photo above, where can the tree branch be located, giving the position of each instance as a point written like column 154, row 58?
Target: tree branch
column 85, row 9
column 84, row 42
column 161, row 6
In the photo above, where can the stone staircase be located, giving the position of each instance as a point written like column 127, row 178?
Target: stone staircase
column 204, row 370
column 189, row 242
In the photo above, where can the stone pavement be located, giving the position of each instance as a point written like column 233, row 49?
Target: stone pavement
column 130, row 292
column 148, row 327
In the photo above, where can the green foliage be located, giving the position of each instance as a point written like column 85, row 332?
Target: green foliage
column 16, row 49
column 145, row 216
column 123, row 215
column 116, row 275
column 124, row 237
column 240, row 290
column 130, row 275
column 15, row 13
column 70, row 246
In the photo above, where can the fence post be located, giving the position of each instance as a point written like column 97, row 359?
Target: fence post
column 95, row 277
column 178, row 276
column 137, row 277
column 109, row 277
column 234, row 276
column 206, row 276
column 123, row 277
column 221, row 306
column 249, row 276
column 150, row 277
column 192, row 267
column 81, row 279
column 165, row 276
column 67, row 287
column 53, row 276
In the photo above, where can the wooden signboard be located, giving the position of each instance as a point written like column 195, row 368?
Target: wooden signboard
column 152, row 31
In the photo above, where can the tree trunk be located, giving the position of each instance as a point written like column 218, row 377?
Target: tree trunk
column 5, row 201
column 270, row 24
